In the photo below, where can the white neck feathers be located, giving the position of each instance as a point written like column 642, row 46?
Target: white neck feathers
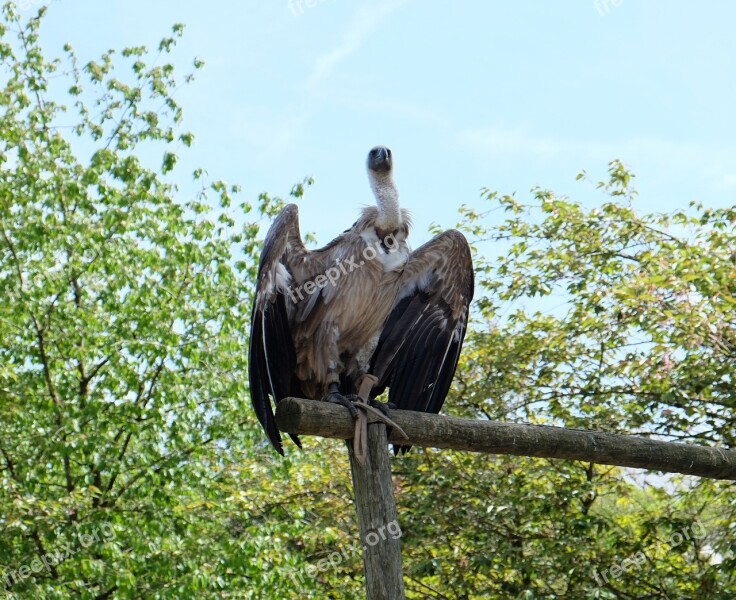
column 387, row 198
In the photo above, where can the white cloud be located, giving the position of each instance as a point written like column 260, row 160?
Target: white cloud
column 273, row 138
column 723, row 176
column 521, row 141
column 372, row 101
column 669, row 155
column 365, row 20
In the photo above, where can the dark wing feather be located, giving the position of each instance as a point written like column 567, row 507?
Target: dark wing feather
column 271, row 356
column 420, row 344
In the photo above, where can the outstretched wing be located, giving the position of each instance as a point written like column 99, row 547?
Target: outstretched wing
column 420, row 344
column 271, row 356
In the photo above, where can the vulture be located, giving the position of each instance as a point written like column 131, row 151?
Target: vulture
column 364, row 313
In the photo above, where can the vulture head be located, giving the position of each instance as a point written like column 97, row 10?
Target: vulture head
column 380, row 160
column 380, row 165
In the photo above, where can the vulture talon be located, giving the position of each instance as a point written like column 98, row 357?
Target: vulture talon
column 380, row 416
column 347, row 402
column 383, row 407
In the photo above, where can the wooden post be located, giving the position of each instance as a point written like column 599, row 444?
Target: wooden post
column 378, row 518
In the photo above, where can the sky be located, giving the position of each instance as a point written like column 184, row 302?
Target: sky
column 503, row 95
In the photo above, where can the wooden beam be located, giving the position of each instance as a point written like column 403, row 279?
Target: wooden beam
column 311, row 417
column 378, row 518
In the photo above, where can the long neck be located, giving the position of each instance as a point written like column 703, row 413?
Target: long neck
column 387, row 198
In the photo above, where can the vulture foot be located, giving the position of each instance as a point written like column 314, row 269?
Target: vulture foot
column 346, row 401
column 384, row 407
column 360, row 409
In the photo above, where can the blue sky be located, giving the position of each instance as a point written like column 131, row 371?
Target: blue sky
column 505, row 95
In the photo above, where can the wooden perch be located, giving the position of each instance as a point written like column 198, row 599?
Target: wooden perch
column 311, row 417
column 377, row 514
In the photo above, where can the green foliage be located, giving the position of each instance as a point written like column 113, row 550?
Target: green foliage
column 129, row 458
column 122, row 333
column 484, row 527
column 644, row 338
column 600, row 318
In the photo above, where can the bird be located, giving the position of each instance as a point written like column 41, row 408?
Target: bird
column 364, row 313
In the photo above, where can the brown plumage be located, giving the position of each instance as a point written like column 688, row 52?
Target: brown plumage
column 362, row 305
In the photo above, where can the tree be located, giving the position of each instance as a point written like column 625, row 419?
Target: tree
column 122, row 330
column 606, row 319
column 643, row 336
